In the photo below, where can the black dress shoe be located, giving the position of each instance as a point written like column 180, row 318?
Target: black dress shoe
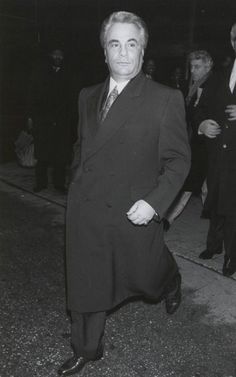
column 173, row 297
column 228, row 271
column 39, row 188
column 228, row 268
column 207, row 254
column 74, row 365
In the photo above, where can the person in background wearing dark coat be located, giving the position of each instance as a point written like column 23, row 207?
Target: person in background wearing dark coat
column 131, row 160
column 217, row 114
column 201, row 65
column 48, row 117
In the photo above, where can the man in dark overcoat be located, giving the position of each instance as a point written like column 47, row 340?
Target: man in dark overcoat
column 218, row 123
column 48, row 111
column 200, row 64
column 131, row 160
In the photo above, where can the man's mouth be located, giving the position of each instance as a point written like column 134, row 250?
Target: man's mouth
column 123, row 63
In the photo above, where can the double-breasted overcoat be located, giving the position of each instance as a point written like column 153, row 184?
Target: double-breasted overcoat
column 140, row 151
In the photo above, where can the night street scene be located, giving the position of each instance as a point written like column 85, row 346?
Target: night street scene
column 96, row 282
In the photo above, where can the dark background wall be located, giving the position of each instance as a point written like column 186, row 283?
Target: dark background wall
column 29, row 28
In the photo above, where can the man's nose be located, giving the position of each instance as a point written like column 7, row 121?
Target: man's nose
column 123, row 50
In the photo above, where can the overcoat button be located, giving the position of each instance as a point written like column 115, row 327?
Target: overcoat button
column 224, row 146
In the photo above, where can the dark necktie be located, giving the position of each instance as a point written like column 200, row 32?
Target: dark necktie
column 108, row 103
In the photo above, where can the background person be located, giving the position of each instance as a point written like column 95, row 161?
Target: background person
column 177, row 80
column 150, row 69
column 201, row 65
column 217, row 114
column 49, row 112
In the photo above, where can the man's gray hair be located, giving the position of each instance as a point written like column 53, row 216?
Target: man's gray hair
column 124, row 17
column 203, row 55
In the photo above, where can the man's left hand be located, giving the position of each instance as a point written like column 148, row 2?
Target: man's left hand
column 231, row 111
column 140, row 213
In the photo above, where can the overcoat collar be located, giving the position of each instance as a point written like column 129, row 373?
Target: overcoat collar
column 124, row 107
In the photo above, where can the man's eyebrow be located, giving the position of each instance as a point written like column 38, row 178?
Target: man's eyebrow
column 132, row 40
column 113, row 40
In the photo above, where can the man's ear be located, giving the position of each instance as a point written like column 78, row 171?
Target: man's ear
column 105, row 54
column 142, row 55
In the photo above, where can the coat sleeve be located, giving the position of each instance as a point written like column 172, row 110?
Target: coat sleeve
column 174, row 155
column 208, row 107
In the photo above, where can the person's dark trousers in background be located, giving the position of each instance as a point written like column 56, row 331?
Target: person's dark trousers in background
column 215, row 234
column 41, row 174
column 59, row 175
column 222, row 232
column 230, row 239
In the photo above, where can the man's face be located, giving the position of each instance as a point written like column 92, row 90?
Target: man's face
column 123, row 51
column 150, row 67
column 233, row 37
column 198, row 69
column 57, row 57
column 178, row 73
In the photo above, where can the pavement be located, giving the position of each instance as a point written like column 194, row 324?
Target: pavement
column 199, row 340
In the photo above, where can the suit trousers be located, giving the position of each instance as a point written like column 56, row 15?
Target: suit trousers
column 87, row 329
column 59, row 173
column 87, row 332
column 222, row 232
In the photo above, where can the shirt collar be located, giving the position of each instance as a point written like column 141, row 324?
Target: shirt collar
column 120, row 86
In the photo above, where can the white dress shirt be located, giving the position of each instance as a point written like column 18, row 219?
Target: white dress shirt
column 232, row 80
column 120, row 85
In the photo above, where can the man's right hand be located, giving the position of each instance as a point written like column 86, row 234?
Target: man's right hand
column 209, row 128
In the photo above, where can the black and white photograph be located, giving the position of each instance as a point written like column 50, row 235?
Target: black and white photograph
column 118, row 188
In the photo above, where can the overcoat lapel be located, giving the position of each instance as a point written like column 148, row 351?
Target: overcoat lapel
column 94, row 106
column 226, row 81
column 124, row 107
